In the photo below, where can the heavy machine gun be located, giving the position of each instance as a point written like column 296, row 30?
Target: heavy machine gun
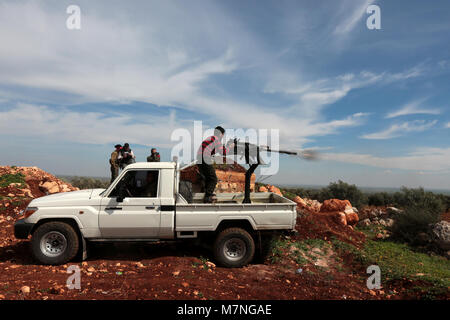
column 251, row 154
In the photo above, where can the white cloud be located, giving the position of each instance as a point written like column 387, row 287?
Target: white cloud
column 447, row 125
column 62, row 124
column 424, row 159
column 397, row 130
column 353, row 13
column 412, row 108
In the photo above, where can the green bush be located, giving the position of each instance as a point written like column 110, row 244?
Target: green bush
column 411, row 222
column 7, row 179
column 445, row 201
column 380, row 199
column 344, row 191
column 421, row 208
column 420, row 199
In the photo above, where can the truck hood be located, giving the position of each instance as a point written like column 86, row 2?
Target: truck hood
column 67, row 198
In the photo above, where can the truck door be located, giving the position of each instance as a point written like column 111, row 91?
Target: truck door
column 132, row 208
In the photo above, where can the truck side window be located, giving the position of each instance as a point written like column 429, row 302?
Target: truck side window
column 137, row 184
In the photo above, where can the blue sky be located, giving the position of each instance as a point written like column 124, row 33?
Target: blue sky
column 375, row 103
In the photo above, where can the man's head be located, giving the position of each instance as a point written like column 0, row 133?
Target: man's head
column 153, row 150
column 126, row 146
column 219, row 132
column 117, row 146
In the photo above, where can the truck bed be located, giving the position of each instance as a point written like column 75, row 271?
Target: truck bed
column 267, row 211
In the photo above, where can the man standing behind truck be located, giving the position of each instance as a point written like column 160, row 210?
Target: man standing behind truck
column 114, row 162
column 205, row 152
column 154, row 156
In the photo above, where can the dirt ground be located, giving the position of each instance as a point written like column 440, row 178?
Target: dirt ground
column 173, row 271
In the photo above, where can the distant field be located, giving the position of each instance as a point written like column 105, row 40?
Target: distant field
column 86, row 182
column 68, row 178
column 367, row 190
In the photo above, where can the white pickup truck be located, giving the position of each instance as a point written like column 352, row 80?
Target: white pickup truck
column 146, row 203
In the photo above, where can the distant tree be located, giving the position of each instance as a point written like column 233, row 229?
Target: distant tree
column 380, row 199
column 419, row 198
column 88, row 183
column 344, row 191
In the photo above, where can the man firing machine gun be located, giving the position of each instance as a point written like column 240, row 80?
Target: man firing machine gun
column 249, row 151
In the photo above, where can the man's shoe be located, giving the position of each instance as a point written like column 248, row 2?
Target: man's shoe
column 208, row 200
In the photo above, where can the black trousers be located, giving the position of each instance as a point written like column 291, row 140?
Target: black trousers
column 209, row 174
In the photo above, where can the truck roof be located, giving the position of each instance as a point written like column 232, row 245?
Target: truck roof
column 152, row 165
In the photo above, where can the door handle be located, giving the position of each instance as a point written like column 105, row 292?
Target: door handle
column 113, row 208
column 150, row 207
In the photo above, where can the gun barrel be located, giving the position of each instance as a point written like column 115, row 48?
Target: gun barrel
column 280, row 151
column 306, row 154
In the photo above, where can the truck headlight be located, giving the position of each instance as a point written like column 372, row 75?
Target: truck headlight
column 28, row 212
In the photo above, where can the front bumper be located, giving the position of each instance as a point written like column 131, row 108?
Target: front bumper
column 22, row 229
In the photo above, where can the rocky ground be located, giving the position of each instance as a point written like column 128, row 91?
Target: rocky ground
column 304, row 265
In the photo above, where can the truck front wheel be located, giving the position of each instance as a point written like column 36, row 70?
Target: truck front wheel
column 54, row 243
column 234, row 248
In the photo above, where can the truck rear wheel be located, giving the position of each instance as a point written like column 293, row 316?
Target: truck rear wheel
column 54, row 243
column 234, row 248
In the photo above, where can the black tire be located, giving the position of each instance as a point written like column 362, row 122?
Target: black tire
column 186, row 190
column 56, row 252
column 234, row 239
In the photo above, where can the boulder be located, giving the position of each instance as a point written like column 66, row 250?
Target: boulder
column 440, row 234
column 263, row 189
column 49, row 187
column 335, row 205
column 314, row 204
column 300, row 201
column 345, row 213
column 389, row 222
column 352, row 218
column 364, row 223
column 274, row 190
column 341, row 218
column 27, row 193
column 393, row 210
column 373, row 214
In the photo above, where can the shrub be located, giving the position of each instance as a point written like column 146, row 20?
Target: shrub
column 380, row 199
column 445, row 201
column 419, row 198
column 411, row 222
column 344, row 191
column 7, row 179
column 420, row 209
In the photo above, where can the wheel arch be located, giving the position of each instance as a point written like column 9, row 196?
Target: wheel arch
column 82, row 252
column 70, row 221
column 236, row 223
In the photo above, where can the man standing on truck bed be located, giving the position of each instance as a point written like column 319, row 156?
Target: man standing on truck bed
column 126, row 156
column 154, row 156
column 205, row 152
column 114, row 162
